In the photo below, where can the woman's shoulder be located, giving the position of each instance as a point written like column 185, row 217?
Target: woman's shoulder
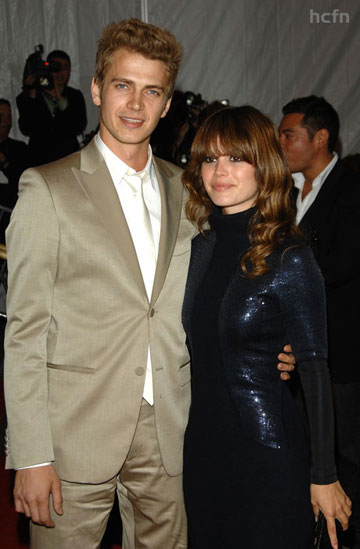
column 291, row 253
column 295, row 260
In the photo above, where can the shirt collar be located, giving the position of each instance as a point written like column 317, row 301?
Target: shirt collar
column 118, row 168
column 299, row 178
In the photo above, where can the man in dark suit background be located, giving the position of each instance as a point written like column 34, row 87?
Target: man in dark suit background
column 13, row 161
column 13, row 157
column 328, row 210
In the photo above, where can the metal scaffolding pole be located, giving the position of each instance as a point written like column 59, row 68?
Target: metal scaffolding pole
column 144, row 11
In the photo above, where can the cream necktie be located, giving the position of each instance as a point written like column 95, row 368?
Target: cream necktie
column 141, row 231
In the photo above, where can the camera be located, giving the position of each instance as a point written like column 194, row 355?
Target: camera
column 36, row 66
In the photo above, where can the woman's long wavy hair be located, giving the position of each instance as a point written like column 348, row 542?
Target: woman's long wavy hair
column 248, row 134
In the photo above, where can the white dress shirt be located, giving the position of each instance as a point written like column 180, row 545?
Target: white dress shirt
column 302, row 206
column 152, row 198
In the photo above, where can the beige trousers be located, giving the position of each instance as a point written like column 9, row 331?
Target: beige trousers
column 150, row 501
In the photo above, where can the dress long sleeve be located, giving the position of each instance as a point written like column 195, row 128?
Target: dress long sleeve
column 300, row 290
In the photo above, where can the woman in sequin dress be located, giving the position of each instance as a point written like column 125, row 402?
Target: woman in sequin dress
column 252, row 287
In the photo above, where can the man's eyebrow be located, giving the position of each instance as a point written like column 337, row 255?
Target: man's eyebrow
column 152, row 86
column 147, row 86
column 289, row 130
column 119, row 79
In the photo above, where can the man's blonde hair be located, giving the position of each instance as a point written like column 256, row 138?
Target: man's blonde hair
column 148, row 40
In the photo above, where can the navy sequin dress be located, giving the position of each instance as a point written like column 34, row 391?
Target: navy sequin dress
column 247, row 467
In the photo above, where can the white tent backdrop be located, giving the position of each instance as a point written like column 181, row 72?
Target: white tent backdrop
column 259, row 52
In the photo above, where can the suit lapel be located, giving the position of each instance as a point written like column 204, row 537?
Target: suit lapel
column 97, row 184
column 171, row 205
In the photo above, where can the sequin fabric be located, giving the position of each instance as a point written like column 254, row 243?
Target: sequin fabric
column 256, row 319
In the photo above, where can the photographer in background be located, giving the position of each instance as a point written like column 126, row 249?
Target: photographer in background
column 52, row 113
column 13, row 158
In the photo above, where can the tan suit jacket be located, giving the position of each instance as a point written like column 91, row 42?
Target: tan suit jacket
column 79, row 322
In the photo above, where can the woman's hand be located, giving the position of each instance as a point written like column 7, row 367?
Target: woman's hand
column 334, row 504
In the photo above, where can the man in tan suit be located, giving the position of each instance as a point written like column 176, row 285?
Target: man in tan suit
column 97, row 370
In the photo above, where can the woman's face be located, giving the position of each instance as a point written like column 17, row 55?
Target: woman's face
column 230, row 183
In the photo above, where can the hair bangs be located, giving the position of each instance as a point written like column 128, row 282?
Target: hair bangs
column 221, row 135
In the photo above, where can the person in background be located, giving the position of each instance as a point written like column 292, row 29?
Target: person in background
column 327, row 195
column 52, row 116
column 13, row 157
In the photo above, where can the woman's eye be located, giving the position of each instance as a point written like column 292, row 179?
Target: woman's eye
column 235, row 158
column 209, row 159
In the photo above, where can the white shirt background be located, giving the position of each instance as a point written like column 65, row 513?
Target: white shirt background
column 302, row 206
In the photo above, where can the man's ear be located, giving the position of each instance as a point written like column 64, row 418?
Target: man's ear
column 322, row 138
column 95, row 93
column 166, row 108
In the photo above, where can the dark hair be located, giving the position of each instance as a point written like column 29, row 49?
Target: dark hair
column 247, row 133
column 4, row 101
column 148, row 40
column 318, row 114
column 59, row 54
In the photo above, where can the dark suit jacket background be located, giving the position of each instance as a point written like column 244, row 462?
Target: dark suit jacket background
column 51, row 137
column 16, row 153
column 332, row 224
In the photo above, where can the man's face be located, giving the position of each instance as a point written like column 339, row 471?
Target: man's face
column 132, row 100
column 62, row 77
column 5, row 121
column 299, row 149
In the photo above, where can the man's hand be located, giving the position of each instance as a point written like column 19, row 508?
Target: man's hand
column 32, row 490
column 29, row 82
column 287, row 361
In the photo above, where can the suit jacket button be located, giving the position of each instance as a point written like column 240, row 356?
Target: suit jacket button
column 139, row 371
column 152, row 312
